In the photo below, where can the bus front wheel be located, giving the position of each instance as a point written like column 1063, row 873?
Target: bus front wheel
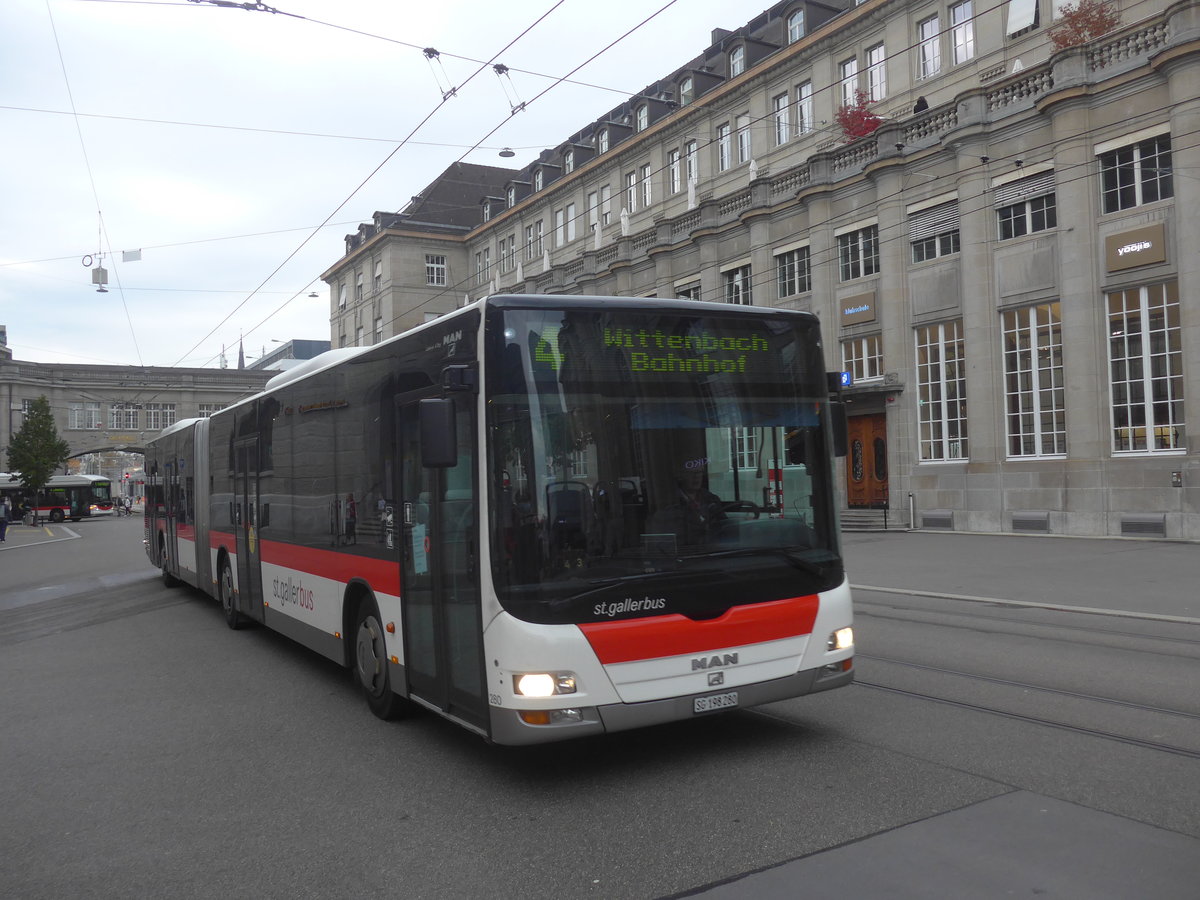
column 371, row 664
column 228, row 599
column 56, row 515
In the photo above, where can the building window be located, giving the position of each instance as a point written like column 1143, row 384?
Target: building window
column 631, row 191
column 123, row 416
column 569, row 162
column 795, row 26
column 863, row 357
column 1035, row 395
column 688, row 291
column 929, row 53
column 435, row 270
column 564, row 225
column 783, row 119
column 858, row 253
column 378, row 275
column 1137, row 174
column 483, row 265
column 687, row 91
column 159, row 415
column 793, row 271
column 83, row 416
column 378, row 329
column 647, row 190
column 510, row 197
column 602, row 141
column 962, row 32
column 745, row 448
column 743, row 139
column 358, row 336
column 508, row 253
column 533, row 240
column 724, row 148
column 737, row 61
column 606, row 205
column 674, row 177
column 358, row 286
column 849, row 80
column 934, row 232
column 877, row 72
column 737, row 286
column 342, row 295
column 804, row 108
column 1146, row 369
column 1026, row 206
column 941, row 392
column 641, row 118
column 207, row 409
column 1022, row 15
column 539, row 180
column 690, row 158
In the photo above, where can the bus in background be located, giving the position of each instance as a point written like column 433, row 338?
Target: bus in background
column 541, row 517
column 64, row 497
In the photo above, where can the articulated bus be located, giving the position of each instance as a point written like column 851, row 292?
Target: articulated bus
column 541, row 517
column 64, row 497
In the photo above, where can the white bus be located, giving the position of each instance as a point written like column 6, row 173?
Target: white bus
column 539, row 516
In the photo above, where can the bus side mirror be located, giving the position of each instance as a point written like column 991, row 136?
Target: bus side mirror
column 837, row 421
column 439, row 432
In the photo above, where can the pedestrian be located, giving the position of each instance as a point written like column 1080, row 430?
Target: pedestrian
column 5, row 512
column 128, row 505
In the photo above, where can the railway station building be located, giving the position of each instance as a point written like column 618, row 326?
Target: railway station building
column 995, row 218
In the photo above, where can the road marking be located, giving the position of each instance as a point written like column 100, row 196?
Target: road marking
column 1089, row 610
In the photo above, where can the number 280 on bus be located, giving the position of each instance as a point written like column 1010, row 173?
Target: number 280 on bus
column 541, row 517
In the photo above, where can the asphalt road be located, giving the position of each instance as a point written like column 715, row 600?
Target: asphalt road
column 992, row 747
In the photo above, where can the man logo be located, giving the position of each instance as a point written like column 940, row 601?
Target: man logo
column 713, row 662
column 716, row 678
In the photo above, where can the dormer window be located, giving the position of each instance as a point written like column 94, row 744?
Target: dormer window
column 538, row 180
column 641, row 118
column 795, row 26
column 569, row 161
column 511, row 196
column 687, row 91
column 737, row 61
column 602, row 141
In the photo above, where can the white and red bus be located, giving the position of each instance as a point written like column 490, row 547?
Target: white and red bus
column 539, row 516
column 63, row 497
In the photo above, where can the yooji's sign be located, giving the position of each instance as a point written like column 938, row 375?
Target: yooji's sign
column 1140, row 247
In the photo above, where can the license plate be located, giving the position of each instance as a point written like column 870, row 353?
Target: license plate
column 716, row 701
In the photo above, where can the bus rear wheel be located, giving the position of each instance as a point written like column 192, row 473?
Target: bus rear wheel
column 371, row 664
column 56, row 515
column 226, row 596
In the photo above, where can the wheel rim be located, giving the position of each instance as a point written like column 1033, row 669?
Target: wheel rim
column 369, row 656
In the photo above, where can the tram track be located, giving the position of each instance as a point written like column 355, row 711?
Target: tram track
column 1035, row 720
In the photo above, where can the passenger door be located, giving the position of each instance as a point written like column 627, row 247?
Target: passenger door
column 249, row 549
column 439, row 534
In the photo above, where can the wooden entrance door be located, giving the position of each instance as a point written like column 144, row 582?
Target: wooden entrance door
column 866, row 462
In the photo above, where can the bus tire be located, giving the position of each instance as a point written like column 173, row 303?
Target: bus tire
column 168, row 579
column 226, row 596
column 56, row 515
column 371, row 663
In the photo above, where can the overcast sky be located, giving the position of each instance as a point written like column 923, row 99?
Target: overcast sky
column 217, row 140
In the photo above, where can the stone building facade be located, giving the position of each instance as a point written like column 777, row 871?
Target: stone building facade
column 105, row 408
column 1005, row 265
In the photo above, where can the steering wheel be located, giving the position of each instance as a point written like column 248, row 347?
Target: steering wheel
column 740, row 506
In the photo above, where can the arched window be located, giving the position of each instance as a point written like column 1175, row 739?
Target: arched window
column 687, row 91
column 737, row 61
column 642, row 117
column 602, row 141
column 569, row 161
column 795, row 26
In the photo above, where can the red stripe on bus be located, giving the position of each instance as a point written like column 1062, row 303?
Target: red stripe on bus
column 186, row 532
column 382, row 575
column 219, row 539
column 675, row 635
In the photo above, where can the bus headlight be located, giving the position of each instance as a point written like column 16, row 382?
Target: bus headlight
column 842, row 639
column 544, row 684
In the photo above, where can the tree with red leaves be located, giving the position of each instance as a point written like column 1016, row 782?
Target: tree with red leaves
column 1081, row 22
column 856, row 119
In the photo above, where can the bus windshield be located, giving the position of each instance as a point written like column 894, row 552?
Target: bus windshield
column 653, row 462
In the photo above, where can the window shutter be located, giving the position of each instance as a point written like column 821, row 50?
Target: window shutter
column 1016, row 191
column 932, row 221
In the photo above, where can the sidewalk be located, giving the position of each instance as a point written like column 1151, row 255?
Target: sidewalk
column 20, row 535
column 1140, row 576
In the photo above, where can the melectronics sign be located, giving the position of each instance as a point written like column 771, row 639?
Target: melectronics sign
column 853, row 310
